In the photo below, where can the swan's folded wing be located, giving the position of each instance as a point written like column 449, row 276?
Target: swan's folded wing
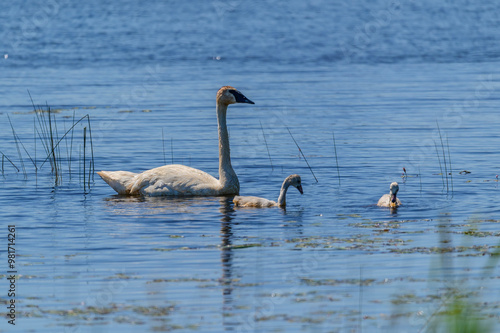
column 384, row 201
column 174, row 180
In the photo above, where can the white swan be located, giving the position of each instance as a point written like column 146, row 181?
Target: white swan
column 181, row 180
column 390, row 200
column 293, row 180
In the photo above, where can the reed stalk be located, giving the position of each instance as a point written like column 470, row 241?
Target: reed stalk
column 336, row 158
column 18, row 140
column 163, row 145
column 439, row 160
column 172, row 149
column 267, row 147
column 51, row 153
column 444, row 157
column 34, row 142
column 420, row 179
column 92, row 161
column 10, row 161
column 300, row 150
column 84, row 150
column 449, row 161
column 18, row 150
column 52, row 148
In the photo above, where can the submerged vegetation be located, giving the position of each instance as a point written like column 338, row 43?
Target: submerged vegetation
column 444, row 297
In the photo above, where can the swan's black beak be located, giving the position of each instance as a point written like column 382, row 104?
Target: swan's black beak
column 247, row 101
column 240, row 98
column 243, row 99
column 393, row 198
column 299, row 187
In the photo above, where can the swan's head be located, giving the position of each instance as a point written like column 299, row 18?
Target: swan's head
column 394, row 191
column 295, row 181
column 229, row 95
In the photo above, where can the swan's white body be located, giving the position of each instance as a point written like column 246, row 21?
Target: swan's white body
column 172, row 180
column 390, row 200
column 248, row 201
column 181, row 180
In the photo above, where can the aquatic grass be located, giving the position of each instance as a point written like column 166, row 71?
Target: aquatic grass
column 448, row 171
column 92, row 159
column 459, row 308
column 461, row 315
column 53, row 151
column 54, row 145
column 300, row 150
column 17, row 147
column 66, row 143
column 336, row 282
column 440, row 166
column 420, row 179
column 46, row 135
column 5, row 157
column 84, row 150
column 404, row 175
column 336, row 158
column 69, row 150
column 34, row 142
column 56, row 134
column 163, row 145
column 46, row 131
column 449, row 161
column 71, row 147
column 444, row 157
column 458, row 312
column 267, row 147
column 172, row 149
column 80, row 164
column 21, row 143
column 163, row 148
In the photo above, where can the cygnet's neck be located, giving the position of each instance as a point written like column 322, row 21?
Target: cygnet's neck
column 227, row 176
column 282, row 197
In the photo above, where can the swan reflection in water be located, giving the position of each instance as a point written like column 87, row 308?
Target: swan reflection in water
column 201, row 209
column 171, row 208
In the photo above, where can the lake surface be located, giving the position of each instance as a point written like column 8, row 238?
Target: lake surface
column 405, row 84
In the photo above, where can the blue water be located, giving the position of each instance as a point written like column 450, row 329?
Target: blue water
column 399, row 84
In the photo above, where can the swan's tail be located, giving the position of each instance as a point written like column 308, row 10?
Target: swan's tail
column 120, row 181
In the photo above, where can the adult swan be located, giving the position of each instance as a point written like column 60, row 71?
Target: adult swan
column 181, row 180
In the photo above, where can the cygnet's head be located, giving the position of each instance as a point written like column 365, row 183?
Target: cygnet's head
column 295, row 181
column 394, row 191
column 229, row 95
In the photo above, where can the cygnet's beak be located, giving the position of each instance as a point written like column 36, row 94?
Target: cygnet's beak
column 393, row 197
column 299, row 187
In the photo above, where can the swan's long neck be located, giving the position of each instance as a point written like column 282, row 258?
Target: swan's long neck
column 282, row 197
column 227, row 176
